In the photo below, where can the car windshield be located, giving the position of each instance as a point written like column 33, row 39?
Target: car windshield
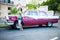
column 35, row 13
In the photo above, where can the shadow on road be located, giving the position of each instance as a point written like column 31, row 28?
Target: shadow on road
column 44, row 27
column 40, row 27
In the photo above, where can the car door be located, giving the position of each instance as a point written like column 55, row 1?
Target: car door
column 30, row 18
column 42, row 20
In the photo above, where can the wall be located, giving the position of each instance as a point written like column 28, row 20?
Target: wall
column 4, row 10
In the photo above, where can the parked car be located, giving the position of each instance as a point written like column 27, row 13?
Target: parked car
column 35, row 17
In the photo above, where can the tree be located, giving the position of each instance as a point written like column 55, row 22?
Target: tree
column 58, row 7
column 14, row 10
column 52, row 4
column 31, row 6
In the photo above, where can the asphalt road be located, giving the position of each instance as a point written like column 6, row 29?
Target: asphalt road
column 42, row 33
column 39, row 33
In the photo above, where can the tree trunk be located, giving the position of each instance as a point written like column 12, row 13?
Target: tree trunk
column 54, row 12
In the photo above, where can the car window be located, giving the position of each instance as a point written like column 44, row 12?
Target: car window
column 42, row 13
column 29, row 13
column 32, row 13
column 36, row 13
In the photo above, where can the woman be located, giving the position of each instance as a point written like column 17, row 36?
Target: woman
column 20, row 19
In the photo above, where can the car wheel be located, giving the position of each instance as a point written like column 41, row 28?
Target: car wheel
column 16, row 25
column 11, row 27
column 50, row 24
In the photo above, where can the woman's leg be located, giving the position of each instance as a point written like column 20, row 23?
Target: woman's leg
column 19, row 22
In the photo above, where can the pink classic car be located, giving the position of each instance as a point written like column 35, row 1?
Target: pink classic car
column 35, row 17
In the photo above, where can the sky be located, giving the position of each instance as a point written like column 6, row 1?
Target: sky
column 23, row 2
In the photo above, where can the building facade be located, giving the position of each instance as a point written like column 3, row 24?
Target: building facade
column 5, row 6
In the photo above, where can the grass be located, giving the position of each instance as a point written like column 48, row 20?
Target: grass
column 2, row 25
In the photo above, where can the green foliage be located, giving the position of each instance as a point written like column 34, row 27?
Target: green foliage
column 44, row 3
column 58, row 7
column 52, row 4
column 31, row 6
column 14, row 10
